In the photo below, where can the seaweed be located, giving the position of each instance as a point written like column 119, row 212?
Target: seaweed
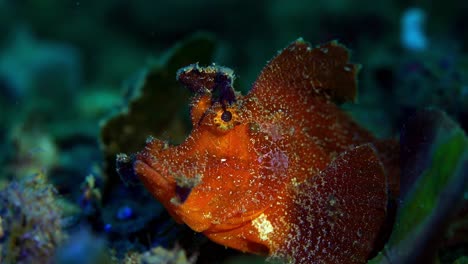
column 153, row 106
column 434, row 151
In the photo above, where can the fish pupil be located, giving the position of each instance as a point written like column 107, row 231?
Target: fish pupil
column 226, row 116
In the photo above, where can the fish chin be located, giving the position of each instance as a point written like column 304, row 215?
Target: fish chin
column 162, row 188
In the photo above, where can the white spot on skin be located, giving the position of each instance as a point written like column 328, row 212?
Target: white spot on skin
column 223, row 160
column 263, row 226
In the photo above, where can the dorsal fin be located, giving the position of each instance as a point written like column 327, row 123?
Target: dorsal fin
column 299, row 68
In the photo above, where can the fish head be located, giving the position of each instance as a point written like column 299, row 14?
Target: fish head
column 210, row 181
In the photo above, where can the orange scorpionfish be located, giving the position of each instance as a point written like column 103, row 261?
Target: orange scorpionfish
column 281, row 171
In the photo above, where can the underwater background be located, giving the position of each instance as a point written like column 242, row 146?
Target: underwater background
column 82, row 81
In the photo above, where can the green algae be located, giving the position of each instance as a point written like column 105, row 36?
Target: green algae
column 154, row 108
column 429, row 204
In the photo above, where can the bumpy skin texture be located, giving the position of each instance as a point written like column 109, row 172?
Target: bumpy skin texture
column 285, row 172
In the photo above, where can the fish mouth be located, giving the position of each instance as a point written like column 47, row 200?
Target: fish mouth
column 197, row 221
column 163, row 188
column 234, row 223
column 139, row 168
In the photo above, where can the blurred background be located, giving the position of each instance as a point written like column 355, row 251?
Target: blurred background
column 67, row 67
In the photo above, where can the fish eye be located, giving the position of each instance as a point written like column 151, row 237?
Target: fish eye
column 226, row 116
column 225, row 119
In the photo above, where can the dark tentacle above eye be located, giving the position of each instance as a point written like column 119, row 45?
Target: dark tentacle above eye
column 218, row 80
column 223, row 89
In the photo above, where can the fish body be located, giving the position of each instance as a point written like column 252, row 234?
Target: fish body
column 281, row 171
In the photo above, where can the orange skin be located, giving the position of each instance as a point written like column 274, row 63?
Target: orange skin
column 287, row 174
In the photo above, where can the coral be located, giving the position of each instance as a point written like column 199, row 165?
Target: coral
column 31, row 221
column 91, row 197
column 281, row 171
column 29, row 151
column 159, row 255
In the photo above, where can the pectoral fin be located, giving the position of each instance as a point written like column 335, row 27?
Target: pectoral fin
column 338, row 214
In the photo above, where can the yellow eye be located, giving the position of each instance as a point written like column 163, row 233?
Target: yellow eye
column 226, row 119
